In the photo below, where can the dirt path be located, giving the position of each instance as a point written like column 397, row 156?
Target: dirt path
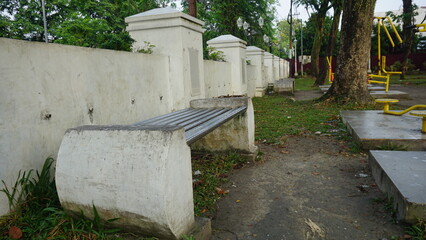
column 310, row 188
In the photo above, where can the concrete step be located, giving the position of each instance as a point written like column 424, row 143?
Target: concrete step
column 402, row 176
column 374, row 129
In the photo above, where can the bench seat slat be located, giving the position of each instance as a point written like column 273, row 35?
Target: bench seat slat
column 192, row 116
column 209, row 115
column 154, row 120
column 200, row 131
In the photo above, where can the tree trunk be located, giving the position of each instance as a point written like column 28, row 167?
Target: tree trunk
column 331, row 44
column 192, row 8
column 316, row 46
column 408, row 34
column 350, row 84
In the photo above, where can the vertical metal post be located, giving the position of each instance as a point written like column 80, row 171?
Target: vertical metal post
column 301, row 47
column 295, row 58
column 44, row 21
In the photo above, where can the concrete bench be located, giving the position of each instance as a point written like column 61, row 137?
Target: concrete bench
column 141, row 173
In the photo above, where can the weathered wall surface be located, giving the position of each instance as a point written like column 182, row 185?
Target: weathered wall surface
column 217, row 78
column 47, row 88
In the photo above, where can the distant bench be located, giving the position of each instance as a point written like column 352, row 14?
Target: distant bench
column 141, row 173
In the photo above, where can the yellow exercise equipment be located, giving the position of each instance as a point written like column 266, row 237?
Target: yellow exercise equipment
column 423, row 115
column 330, row 70
column 381, row 60
column 386, row 102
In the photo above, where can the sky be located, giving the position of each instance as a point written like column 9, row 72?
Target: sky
column 381, row 6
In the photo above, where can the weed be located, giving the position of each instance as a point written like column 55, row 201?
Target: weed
column 214, row 54
column 211, row 172
column 417, row 231
column 147, row 48
column 392, row 147
column 36, row 212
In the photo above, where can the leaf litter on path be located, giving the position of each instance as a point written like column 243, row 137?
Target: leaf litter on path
column 314, row 228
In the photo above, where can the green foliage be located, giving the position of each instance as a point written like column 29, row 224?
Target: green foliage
column 220, row 17
column 417, row 231
column 36, row 211
column 88, row 23
column 147, row 48
column 392, row 147
column 213, row 170
column 214, row 54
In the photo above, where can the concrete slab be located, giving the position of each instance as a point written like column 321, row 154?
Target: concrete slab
column 402, row 175
column 390, row 94
column 373, row 129
column 284, row 85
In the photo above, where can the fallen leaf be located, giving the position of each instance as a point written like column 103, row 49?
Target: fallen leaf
column 315, row 229
column 285, row 152
column 204, row 210
column 15, row 232
column 316, row 173
column 220, row 191
column 237, row 201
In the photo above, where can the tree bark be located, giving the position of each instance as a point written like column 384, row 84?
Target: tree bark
column 319, row 29
column 331, row 43
column 192, row 4
column 408, row 34
column 350, row 84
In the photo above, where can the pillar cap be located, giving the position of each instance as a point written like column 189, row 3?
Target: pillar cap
column 253, row 50
column 163, row 18
column 228, row 40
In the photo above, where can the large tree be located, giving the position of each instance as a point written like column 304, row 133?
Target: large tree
column 332, row 38
column 350, row 85
column 321, row 7
column 408, row 34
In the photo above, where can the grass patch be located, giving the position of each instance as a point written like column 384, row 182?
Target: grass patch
column 305, row 83
column 418, row 79
column 277, row 116
column 210, row 172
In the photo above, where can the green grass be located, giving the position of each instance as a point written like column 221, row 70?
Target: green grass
column 418, row 79
column 277, row 116
column 305, row 83
column 214, row 169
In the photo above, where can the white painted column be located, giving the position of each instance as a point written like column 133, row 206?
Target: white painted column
column 269, row 63
column 276, row 68
column 234, row 50
column 178, row 36
column 256, row 57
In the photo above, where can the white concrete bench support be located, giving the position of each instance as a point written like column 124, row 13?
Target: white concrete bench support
column 139, row 174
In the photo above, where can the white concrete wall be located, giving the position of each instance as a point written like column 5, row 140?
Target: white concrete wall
column 269, row 63
column 38, row 79
column 217, row 78
column 276, row 68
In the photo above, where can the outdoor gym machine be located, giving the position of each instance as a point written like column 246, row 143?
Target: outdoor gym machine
column 387, row 102
column 382, row 73
column 330, row 70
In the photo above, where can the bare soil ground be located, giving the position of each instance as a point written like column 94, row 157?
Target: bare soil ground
column 309, row 188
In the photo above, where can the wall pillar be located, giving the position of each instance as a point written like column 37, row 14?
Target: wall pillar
column 269, row 63
column 234, row 50
column 256, row 57
column 178, row 36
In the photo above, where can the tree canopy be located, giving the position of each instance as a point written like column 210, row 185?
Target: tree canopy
column 89, row 23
